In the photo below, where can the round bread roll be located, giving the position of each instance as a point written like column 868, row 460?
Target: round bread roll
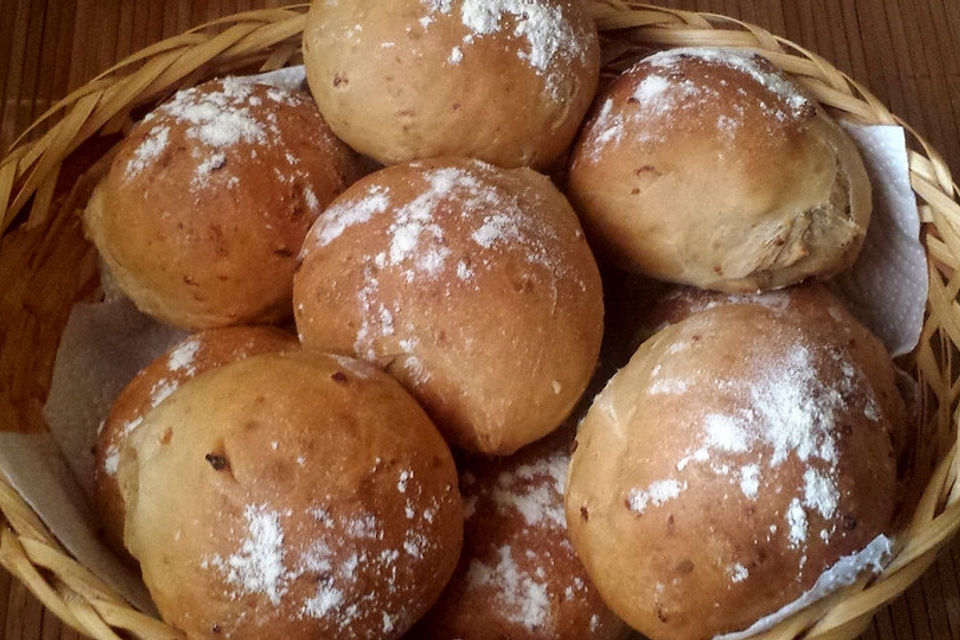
column 455, row 276
column 518, row 576
column 209, row 198
column 734, row 459
column 707, row 167
column 290, row 496
column 506, row 81
column 189, row 358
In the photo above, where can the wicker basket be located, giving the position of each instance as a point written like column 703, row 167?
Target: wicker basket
column 46, row 265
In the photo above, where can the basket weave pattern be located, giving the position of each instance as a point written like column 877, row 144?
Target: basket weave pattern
column 46, row 266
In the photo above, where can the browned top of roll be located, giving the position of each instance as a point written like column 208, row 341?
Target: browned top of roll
column 811, row 305
column 207, row 202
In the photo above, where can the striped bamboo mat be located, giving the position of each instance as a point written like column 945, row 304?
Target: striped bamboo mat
column 906, row 51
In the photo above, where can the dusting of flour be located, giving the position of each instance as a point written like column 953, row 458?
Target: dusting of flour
column 216, row 118
column 335, row 563
column 257, row 566
column 549, row 42
column 523, row 599
column 745, row 62
column 663, row 95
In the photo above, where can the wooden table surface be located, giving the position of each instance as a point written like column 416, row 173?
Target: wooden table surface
column 906, row 51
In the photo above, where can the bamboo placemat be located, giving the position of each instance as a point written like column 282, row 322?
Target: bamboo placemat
column 906, row 51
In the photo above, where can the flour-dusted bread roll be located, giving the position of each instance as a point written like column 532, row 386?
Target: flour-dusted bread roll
column 518, row 575
column 472, row 285
column 506, row 81
column 289, row 496
column 707, row 167
column 208, row 200
column 189, row 358
column 734, row 459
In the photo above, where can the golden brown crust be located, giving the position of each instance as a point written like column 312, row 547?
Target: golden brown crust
column 810, row 304
column 291, row 496
column 455, row 275
column 518, row 576
column 208, row 200
column 153, row 384
column 706, row 167
column 507, row 82
column 735, row 458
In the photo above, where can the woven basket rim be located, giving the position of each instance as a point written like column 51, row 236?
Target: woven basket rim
column 270, row 38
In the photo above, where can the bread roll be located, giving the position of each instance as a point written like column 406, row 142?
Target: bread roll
column 198, row 353
column 707, row 167
column 455, row 277
column 518, row 576
column 208, row 201
column 288, row 496
column 506, row 81
column 735, row 458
